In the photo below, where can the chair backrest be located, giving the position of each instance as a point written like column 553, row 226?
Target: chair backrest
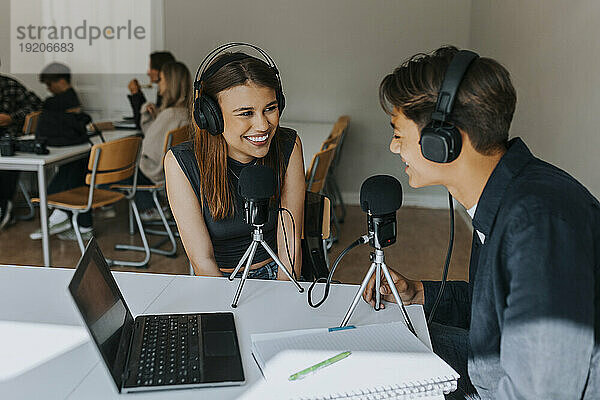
column 344, row 120
column 114, row 161
column 31, row 121
column 176, row 136
column 319, row 168
column 330, row 142
column 341, row 127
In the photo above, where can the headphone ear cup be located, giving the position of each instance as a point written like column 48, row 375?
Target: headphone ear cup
column 199, row 117
column 440, row 143
column 280, row 100
column 211, row 113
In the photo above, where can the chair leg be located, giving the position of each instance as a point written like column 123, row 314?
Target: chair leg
column 27, row 197
column 334, row 238
column 156, row 232
column 192, row 273
column 167, row 228
column 77, row 233
column 340, row 201
column 329, row 193
column 131, row 227
column 144, row 262
column 154, row 249
column 325, row 253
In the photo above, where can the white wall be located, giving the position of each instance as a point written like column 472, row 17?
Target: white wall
column 30, row 80
column 552, row 50
column 332, row 56
column 103, row 96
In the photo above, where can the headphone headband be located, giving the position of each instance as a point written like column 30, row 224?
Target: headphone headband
column 452, row 79
column 214, row 53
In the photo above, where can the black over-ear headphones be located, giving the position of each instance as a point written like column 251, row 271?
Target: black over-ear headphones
column 207, row 112
column 440, row 140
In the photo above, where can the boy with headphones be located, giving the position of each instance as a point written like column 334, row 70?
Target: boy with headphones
column 527, row 324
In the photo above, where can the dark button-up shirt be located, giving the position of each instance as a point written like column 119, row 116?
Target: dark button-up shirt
column 532, row 304
column 16, row 101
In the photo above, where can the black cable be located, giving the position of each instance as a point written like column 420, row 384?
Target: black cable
column 447, row 263
column 362, row 240
column 287, row 247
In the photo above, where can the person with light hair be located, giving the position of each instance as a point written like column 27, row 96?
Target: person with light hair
column 174, row 87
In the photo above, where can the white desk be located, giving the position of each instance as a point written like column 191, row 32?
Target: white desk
column 33, row 294
column 312, row 134
column 39, row 163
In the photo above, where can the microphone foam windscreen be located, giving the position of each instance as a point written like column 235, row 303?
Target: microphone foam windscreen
column 381, row 194
column 256, row 182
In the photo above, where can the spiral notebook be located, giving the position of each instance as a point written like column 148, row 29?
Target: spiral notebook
column 387, row 360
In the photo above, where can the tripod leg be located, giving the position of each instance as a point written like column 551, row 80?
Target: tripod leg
column 377, row 285
column 390, row 281
column 363, row 285
column 253, row 246
column 242, row 260
column 280, row 265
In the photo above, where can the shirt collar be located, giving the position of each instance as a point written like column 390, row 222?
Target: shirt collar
column 509, row 166
column 471, row 211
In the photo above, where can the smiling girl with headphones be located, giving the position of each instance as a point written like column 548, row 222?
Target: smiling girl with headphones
column 238, row 100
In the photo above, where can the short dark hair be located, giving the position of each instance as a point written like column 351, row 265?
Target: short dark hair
column 54, row 72
column 484, row 105
column 160, row 58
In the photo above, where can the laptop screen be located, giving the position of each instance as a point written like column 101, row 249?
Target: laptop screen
column 102, row 307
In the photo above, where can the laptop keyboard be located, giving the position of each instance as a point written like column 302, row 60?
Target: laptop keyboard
column 170, row 352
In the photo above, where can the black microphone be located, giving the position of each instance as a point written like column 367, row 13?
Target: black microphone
column 256, row 186
column 380, row 198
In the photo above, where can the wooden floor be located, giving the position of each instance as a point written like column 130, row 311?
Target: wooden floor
column 419, row 252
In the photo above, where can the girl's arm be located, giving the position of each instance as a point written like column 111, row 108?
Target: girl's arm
column 190, row 221
column 292, row 198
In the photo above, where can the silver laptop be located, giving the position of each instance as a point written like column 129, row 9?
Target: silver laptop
column 153, row 352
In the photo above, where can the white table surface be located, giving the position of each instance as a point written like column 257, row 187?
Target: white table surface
column 34, row 297
column 28, row 161
column 312, row 135
column 57, row 156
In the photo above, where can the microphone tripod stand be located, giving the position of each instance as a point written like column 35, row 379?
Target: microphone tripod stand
column 377, row 266
column 257, row 238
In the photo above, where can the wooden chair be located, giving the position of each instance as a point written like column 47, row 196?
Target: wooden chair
column 172, row 138
column 108, row 163
column 29, row 126
column 332, row 188
column 339, row 127
column 316, row 175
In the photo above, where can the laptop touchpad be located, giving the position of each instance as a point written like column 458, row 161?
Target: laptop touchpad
column 219, row 344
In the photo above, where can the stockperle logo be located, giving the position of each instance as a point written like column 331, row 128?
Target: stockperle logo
column 90, row 36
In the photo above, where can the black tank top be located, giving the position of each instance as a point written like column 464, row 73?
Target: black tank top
column 231, row 236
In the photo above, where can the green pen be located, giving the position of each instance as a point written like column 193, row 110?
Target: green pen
column 302, row 374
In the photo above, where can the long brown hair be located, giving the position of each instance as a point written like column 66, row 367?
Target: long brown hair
column 211, row 151
column 178, row 85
